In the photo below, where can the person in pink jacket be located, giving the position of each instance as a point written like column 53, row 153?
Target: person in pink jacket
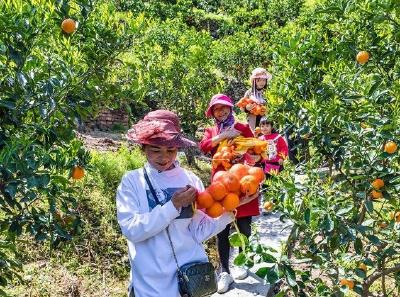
column 277, row 147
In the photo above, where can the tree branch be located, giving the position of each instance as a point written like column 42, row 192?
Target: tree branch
column 373, row 277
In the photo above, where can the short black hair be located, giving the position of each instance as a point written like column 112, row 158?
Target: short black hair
column 265, row 121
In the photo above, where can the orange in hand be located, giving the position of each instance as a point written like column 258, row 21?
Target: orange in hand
column 258, row 173
column 230, row 182
column 239, row 170
column 204, row 200
column 215, row 210
column 248, row 185
column 231, row 202
column 217, row 190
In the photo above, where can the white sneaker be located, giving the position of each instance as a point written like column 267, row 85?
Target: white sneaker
column 240, row 273
column 225, row 279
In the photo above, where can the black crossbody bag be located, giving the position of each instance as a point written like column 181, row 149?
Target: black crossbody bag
column 196, row 279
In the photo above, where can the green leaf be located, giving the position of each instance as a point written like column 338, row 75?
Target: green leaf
column 273, row 275
column 374, row 239
column 236, row 239
column 369, row 206
column 358, row 246
column 307, row 213
column 240, row 259
column 290, row 276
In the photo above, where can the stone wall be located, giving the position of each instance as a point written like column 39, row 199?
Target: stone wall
column 107, row 119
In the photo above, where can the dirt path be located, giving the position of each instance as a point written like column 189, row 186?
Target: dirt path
column 272, row 232
column 102, row 141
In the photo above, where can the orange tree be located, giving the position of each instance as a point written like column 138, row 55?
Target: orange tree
column 346, row 229
column 50, row 77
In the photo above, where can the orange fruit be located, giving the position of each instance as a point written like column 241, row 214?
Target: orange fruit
column 231, row 201
column 362, row 57
column 218, row 175
column 248, row 184
column 226, row 156
column 217, row 156
column 257, row 131
column 395, row 216
column 204, row 200
column 230, row 182
column 376, row 195
column 68, row 26
column 268, row 206
column 217, row 190
column 77, row 172
column 258, row 173
column 347, row 282
column 382, row 225
column 378, row 183
column 362, row 266
column 226, row 164
column 215, row 210
column 239, row 170
column 390, row 147
column 226, row 149
column 258, row 149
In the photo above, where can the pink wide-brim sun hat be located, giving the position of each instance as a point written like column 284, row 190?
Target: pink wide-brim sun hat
column 160, row 128
column 218, row 99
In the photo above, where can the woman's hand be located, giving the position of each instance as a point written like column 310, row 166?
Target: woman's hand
column 247, row 198
column 184, row 197
column 230, row 133
column 250, row 106
column 227, row 134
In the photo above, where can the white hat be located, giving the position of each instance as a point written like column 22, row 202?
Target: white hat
column 260, row 73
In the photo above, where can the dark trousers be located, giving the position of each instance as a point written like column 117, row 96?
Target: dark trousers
column 244, row 225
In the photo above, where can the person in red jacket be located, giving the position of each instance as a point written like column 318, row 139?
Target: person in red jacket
column 221, row 109
column 277, row 147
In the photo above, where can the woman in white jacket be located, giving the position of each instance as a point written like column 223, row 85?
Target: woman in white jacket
column 144, row 222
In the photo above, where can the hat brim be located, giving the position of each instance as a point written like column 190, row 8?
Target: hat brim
column 268, row 76
column 209, row 113
column 178, row 141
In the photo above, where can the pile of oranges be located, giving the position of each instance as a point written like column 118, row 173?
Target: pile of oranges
column 258, row 109
column 224, row 157
column 228, row 187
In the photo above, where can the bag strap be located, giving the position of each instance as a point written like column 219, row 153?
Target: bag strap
column 153, row 192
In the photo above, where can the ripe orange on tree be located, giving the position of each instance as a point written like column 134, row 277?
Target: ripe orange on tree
column 68, row 26
column 217, row 190
column 268, row 206
column 77, row 172
column 215, row 210
column 258, row 173
column 362, row 57
column 231, row 202
column 249, row 185
column 395, row 216
column 204, row 200
column 239, row 170
column 378, row 183
column 347, row 282
column 362, row 266
column 376, row 194
column 390, row 147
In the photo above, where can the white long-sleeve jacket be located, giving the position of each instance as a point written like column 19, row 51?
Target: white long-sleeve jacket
column 143, row 223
